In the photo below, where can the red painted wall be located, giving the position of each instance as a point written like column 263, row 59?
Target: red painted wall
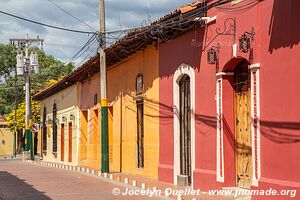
column 276, row 48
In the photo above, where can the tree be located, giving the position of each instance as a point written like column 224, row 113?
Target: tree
column 7, row 60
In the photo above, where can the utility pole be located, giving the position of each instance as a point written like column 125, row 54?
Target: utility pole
column 28, row 65
column 15, row 117
column 104, row 110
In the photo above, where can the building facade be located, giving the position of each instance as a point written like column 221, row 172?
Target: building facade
column 60, row 130
column 232, row 86
column 133, row 117
column 132, row 89
column 205, row 96
column 133, row 96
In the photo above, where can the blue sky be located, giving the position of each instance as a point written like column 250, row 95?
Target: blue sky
column 120, row 14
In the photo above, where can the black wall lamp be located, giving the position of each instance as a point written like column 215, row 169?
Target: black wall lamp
column 212, row 54
column 245, row 41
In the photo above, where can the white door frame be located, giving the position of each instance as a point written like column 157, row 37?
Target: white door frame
column 182, row 70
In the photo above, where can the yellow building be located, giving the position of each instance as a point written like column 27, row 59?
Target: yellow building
column 60, row 131
column 6, row 140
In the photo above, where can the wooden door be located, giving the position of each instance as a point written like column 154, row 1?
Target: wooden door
column 70, row 142
column 243, row 146
column 185, row 127
column 62, row 142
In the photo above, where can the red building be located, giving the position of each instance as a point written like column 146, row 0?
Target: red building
column 229, row 100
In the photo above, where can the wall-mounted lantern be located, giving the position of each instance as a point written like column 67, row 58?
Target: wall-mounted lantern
column 72, row 116
column 49, row 121
column 212, row 54
column 245, row 41
column 64, row 119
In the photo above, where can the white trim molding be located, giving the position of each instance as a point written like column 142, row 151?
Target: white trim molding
column 182, row 70
column 255, row 122
column 234, row 50
column 220, row 147
column 220, row 135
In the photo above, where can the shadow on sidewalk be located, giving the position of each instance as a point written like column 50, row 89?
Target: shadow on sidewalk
column 13, row 188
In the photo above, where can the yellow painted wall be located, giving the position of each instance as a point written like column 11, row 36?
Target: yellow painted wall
column 67, row 102
column 121, row 80
column 6, row 140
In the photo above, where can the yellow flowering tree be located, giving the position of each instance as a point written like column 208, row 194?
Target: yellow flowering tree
column 18, row 122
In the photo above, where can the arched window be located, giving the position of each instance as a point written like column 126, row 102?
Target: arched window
column 54, row 128
column 140, row 121
column 139, row 84
column 44, row 130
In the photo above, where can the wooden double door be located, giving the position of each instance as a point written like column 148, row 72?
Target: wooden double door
column 243, row 145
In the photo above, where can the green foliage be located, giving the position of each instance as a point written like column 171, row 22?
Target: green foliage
column 7, row 60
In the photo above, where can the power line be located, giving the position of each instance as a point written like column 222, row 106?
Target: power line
column 64, row 10
column 83, row 49
column 65, row 29
column 46, row 25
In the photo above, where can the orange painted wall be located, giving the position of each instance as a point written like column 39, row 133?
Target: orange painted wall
column 90, row 143
column 121, row 80
column 121, row 97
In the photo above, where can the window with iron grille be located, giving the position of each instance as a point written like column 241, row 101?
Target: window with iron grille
column 54, row 128
column 44, row 130
column 140, row 134
column 140, row 122
column 139, row 86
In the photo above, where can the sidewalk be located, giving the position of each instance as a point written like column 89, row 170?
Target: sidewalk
column 135, row 182
column 11, row 157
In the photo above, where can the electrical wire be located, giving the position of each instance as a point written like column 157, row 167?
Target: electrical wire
column 172, row 24
column 64, row 10
column 82, row 49
column 46, row 25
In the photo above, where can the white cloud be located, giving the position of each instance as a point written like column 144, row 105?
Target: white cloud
column 63, row 45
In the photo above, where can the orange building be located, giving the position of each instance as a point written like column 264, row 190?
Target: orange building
column 132, row 89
